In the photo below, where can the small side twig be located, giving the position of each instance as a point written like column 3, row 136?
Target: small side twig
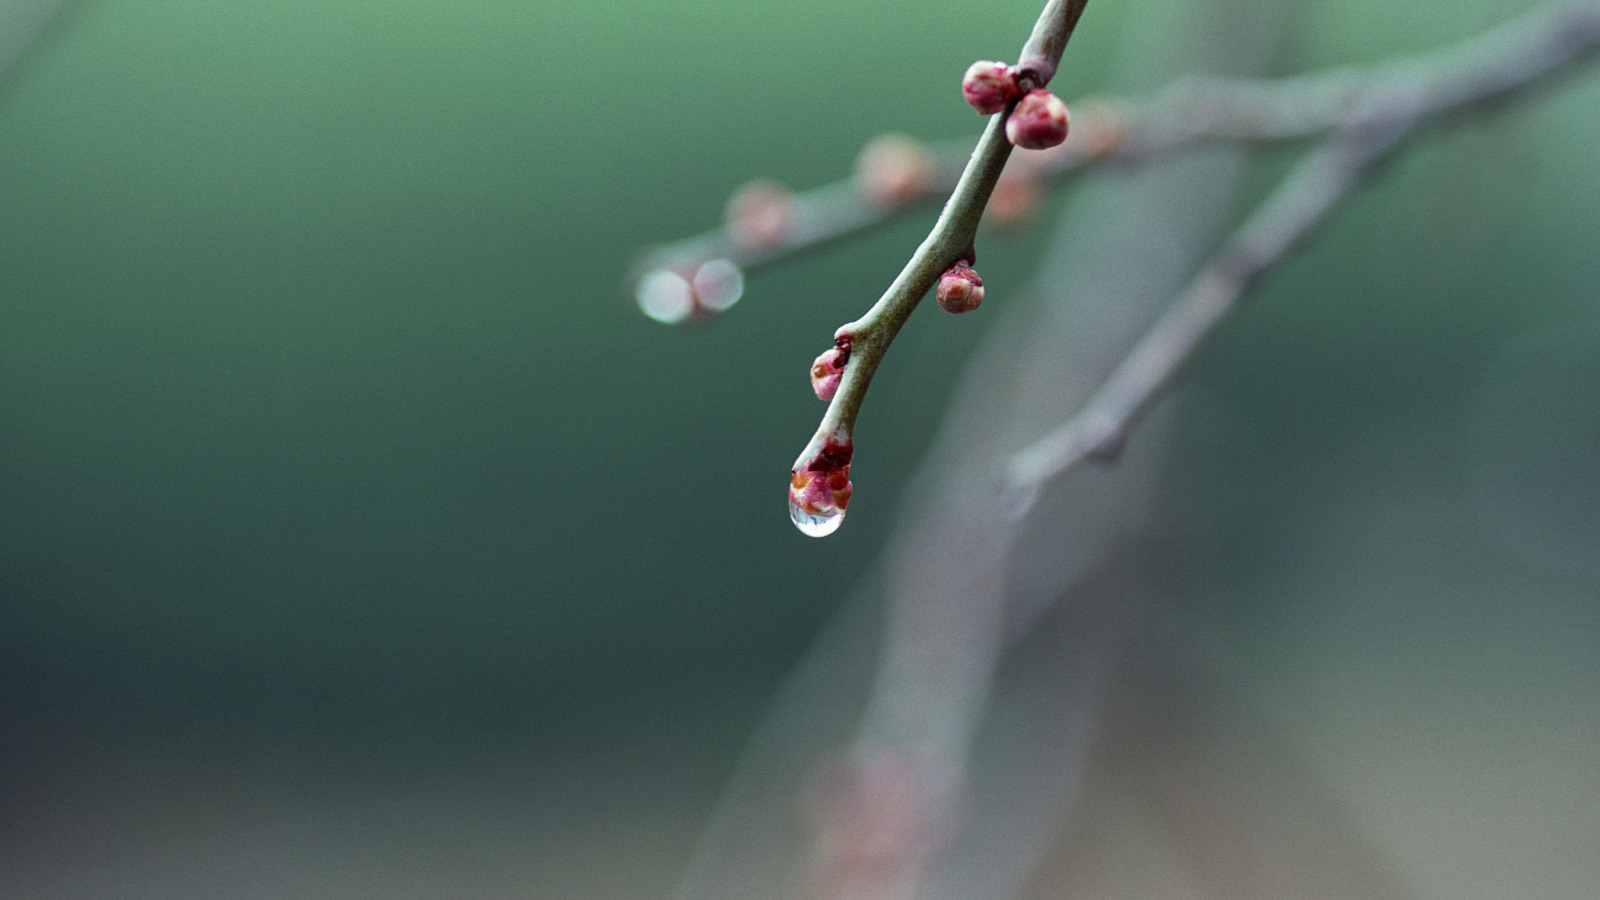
column 1186, row 113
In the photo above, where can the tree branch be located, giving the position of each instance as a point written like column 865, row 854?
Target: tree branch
column 1380, row 112
column 1188, row 112
column 865, row 340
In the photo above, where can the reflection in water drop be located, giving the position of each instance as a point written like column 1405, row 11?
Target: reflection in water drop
column 820, row 491
column 814, row 524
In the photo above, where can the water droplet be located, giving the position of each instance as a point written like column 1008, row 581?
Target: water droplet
column 820, row 488
column 815, row 524
column 665, row 296
column 719, row 283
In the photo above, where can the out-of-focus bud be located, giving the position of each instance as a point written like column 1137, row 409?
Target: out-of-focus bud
column 893, row 170
column 989, row 86
column 1039, row 121
column 828, row 370
column 666, row 296
column 688, row 291
column 1015, row 199
column 760, row 214
column 1103, row 125
column 960, row 289
column 878, row 816
column 718, row 284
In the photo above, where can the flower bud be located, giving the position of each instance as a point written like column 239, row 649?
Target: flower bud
column 666, row 296
column 761, row 214
column 989, row 86
column 1015, row 199
column 960, row 289
column 1039, row 121
column 828, row 371
column 894, row 170
column 1103, row 126
column 689, row 290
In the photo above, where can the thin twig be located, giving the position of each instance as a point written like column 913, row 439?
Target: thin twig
column 950, row 241
column 1375, row 121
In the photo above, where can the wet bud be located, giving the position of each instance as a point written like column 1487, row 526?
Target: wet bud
column 894, row 170
column 760, row 214
column 828, row 370
column 960, row 289
column 820, row 488
column 989, row 86
column 1039, row 121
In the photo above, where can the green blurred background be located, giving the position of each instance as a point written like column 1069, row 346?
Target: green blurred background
column 341, row 482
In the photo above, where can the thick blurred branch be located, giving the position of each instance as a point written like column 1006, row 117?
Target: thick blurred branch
column 1370, row 116
column 1099, row 431
column 22, row 23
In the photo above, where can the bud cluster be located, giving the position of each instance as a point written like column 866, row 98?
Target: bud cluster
column 1039, row 119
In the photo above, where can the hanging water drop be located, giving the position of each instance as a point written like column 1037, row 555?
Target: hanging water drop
column 819, row 493
column 815, row 524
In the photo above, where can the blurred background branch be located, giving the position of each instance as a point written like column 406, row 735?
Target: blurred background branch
column 1375, row 114
column 357, row 539
column 22, row 24
column 924, row 797
column 1191, row 110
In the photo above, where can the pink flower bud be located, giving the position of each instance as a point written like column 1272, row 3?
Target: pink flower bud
column 828, row 370
column 1038, row 121
column 761, row 214
column 989, row 86
column 1015, row 198
column 1103, row 125
column 876, row 813
column 894, row 170
column 960, row 289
